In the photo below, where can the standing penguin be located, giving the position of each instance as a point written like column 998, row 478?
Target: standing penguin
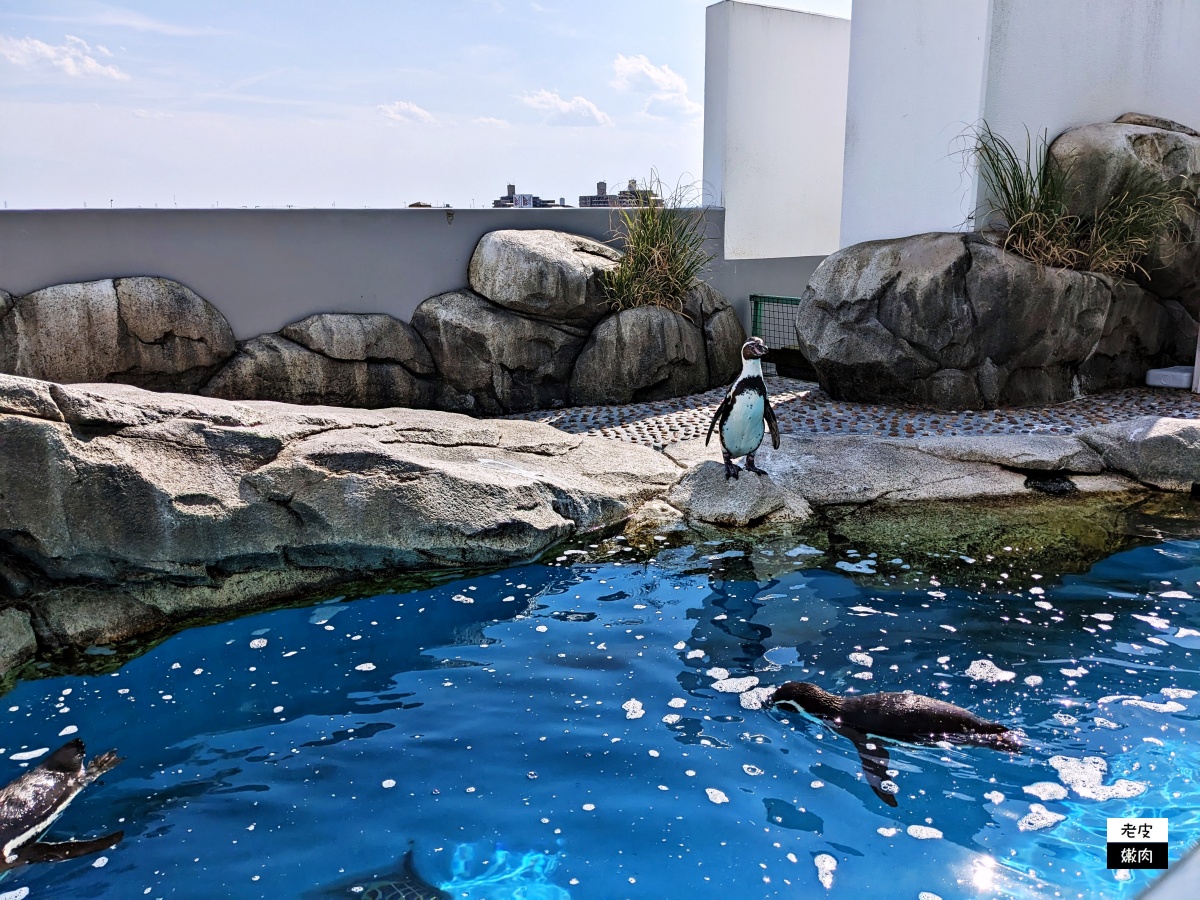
column 744, row 412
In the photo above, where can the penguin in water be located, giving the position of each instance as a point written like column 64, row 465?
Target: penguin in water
column 906, row 717
column 742, row 415
column 30, row 803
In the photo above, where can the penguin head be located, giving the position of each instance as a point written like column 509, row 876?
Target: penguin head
column 755, row 348
column 801, row 696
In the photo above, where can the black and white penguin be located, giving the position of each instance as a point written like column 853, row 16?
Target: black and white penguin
column 745, row 411
column 30, row 803
column 905, row 717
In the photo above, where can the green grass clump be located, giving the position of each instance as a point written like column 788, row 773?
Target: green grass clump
column 1032, row 195
column 664, row 249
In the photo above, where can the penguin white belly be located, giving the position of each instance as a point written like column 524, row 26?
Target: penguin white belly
column 742, row 431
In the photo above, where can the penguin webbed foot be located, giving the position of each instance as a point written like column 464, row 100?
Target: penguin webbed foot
column 731, row 470
column 751, row 467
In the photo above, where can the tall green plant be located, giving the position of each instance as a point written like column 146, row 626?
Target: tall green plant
column 1032, row 194
column 664, row 248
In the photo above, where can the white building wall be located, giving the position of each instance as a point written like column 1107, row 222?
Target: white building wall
column 1056, row 65
column 923, row 71
column 916, row 83
column 774, row 121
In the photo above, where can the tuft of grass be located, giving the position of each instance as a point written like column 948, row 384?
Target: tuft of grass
column 1031, row 194
column 664, row 249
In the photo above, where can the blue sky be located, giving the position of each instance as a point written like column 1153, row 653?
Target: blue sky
column 366, row 103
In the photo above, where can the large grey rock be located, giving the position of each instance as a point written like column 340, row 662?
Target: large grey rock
column 723, row 332
column 504, row 361
column 17, row 640
column 361, row 337
column 951, row 321
column 1141, row 332
column 704, row 493
column 152, row 509
column 1097, row 158
column 151, row 332
column 272, row 367
column 645, row 353
column 832, row 471
column 546, row 274
column 1158, row 451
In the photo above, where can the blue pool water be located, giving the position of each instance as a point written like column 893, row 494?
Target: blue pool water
column 553, row 731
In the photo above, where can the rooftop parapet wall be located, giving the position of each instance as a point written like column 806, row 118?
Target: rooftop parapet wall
column 267, row 268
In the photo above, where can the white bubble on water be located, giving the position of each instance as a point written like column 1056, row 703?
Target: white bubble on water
column 928, row 895
column 677, row 703
column 19, row 894
column 365, row 667
column 717, row 673
column 1103, row 617
column 751, row 770
column 756, row 698
column 588, row 807
column 70, row 729
column 389, row 782
column 1177, row 693
column 1044, row 604
column 541, row 628
column 1039, row 818
column 986, row 670
column 1074, row 673
column 817, row 784
column 1105, row 723
column 29, row 754
column 1154, row 621
column 923, row 832
column 825, row 866
column 864, row 676
column 1033, row 680
column 716, row 796
column 1171, row 706
column 995, row 797
column 949, row 628
column 258, row 643
column 1086, row 777
column 1064, row 718
column 695, row 654
column 1046, row 790
column 100, row 862
column 888, row 832
column 1176, row 595
column 633, row 709
column 681, row 646
column 1036, row 591
column 862, row 659
column 736, row 685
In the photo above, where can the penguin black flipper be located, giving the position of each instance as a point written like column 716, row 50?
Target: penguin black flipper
column 719, row 417
column 772, row 424
column 40, row 851
column 873, row 756
column 33, row 800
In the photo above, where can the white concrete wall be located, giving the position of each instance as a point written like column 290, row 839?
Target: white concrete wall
column 1056, row 65
column 923, row 71
column 916, row 83
column 774, row 121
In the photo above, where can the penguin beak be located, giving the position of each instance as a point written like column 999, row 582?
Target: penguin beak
column 759, row 349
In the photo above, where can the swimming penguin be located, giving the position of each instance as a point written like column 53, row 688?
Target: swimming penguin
column 905, row 717
column 31, row 802
column 744, row 412
column 407, row 884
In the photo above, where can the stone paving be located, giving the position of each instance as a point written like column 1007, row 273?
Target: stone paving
column 803, row 408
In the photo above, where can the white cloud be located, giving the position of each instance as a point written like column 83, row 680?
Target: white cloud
column 406, row 112
column 576, row 111
column 668, row 89
column 493, row 123
column 71, row 57
column 147, row 114
column 637, row 73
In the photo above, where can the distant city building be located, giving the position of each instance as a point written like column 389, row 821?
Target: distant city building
column 631, row 196
column 513, row 200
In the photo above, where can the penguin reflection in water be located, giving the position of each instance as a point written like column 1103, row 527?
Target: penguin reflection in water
column 904, row 717
column 31, row 802
column 745, row 412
